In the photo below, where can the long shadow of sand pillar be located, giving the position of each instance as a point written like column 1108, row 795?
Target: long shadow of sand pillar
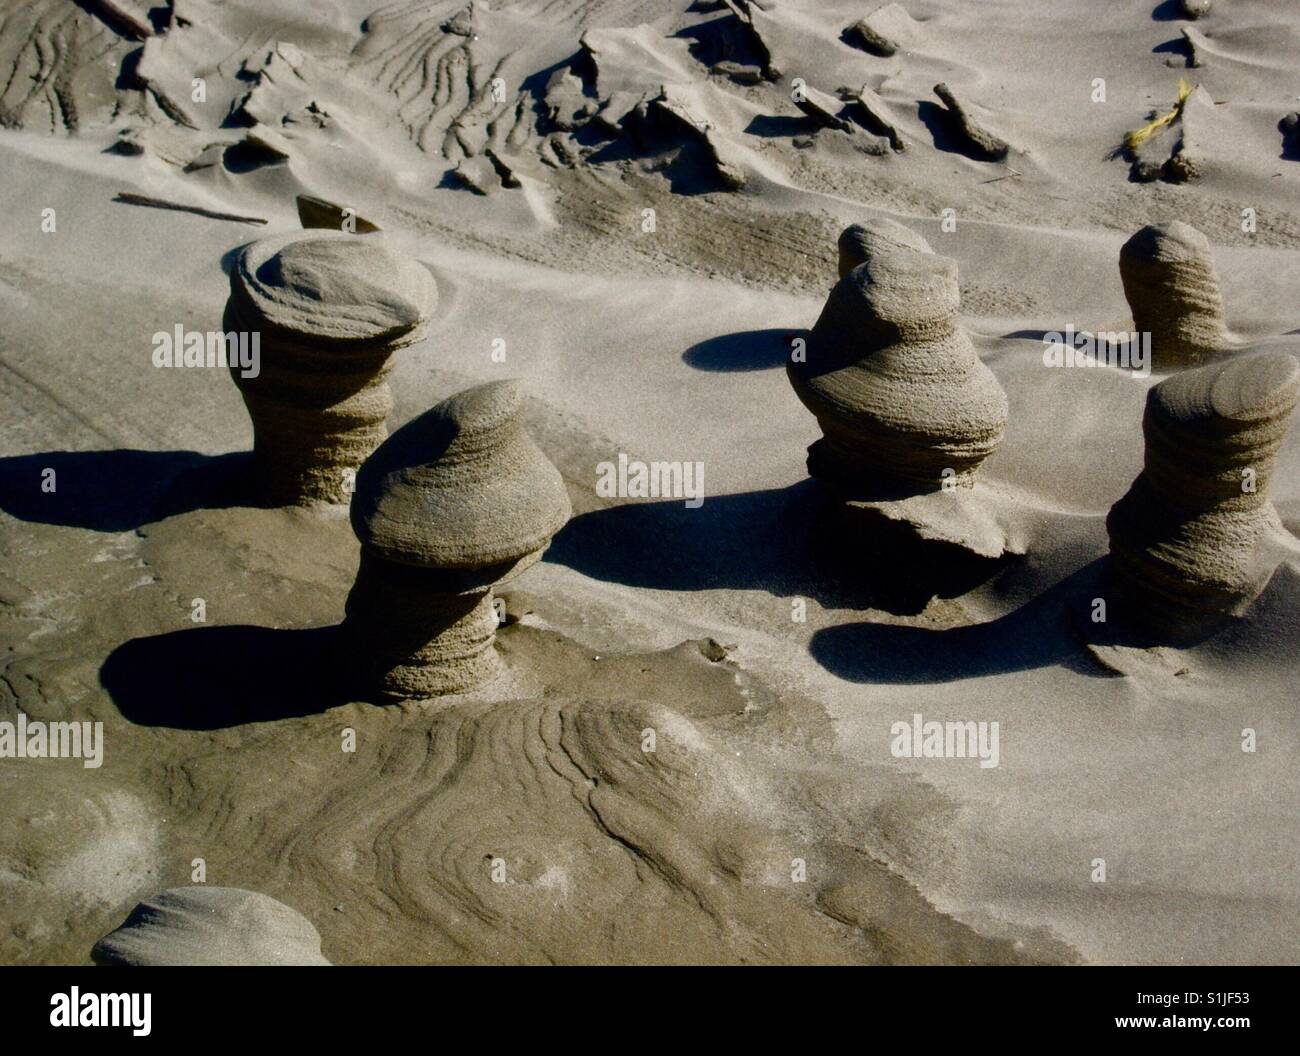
column 327, row 311
column 451, row 505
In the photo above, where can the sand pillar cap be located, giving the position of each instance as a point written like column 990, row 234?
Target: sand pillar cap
column 462, row 487
column 1203, row 427
column 858, row 243
column 332, row 286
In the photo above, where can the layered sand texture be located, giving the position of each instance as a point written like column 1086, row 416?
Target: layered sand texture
column 1186, row 540
column 638, row 227
column 454, row 504
column 1173, row 290
column 329, row 310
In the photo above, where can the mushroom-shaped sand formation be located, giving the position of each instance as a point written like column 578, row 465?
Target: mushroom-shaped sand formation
column 451, row 505
column 331, row 309
column 907, row 410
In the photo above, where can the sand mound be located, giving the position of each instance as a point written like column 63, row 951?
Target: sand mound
column 211, row 925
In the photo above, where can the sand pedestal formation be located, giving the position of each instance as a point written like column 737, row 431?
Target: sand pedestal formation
column 330, row 308
column 451, row 505
column 211, row 925
column 1173, row 291
column 907, row 410
column 1189, row 541
column 895, row 383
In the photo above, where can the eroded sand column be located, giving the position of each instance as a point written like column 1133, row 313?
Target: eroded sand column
column 450, row 506
column 1173, row 291
column 908, row 411
column 330, row 309
column 900, row 394
column 1186, row 540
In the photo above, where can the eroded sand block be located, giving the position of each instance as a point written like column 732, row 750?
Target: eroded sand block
column 884, row 32
column 567, row 105
column 669, row 119
column 859, row 242
column 1187, row 540
column 877, row 117
column 1172, row 289
column 979, row 142
column 452, row 504
column 1202, row 133
column 738, row 72
column 870, row 39
column 822, row 108
column 124, row 18
column 1289, row 126
column 757, row 30
column 1179, row 144
column 322, row 214
column 211, row 925
column 1197, row 45
column 331, row 309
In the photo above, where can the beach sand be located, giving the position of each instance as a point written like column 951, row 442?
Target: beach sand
column 647, row 303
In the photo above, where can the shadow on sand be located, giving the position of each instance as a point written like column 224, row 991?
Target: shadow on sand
column 789, row 542
column 1041, row 633
column 742, row 351
column 120, row 490
column 208, row 678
